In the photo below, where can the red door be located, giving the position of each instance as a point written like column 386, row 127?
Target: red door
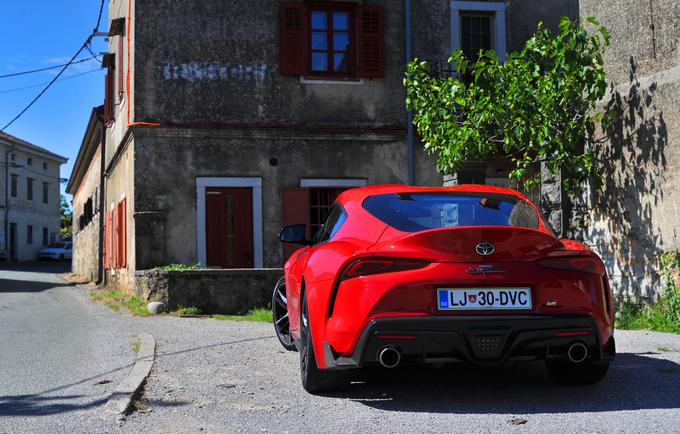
column 229, row 227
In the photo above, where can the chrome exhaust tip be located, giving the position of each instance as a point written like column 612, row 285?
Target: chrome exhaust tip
column 389, row 357
column 577, row 352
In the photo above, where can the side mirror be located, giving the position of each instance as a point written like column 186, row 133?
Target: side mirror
column 296, row 234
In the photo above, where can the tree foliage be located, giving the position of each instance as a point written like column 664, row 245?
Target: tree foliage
column 538, row 105
column 65, row 217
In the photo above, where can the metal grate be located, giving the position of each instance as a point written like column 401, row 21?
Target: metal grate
column 488, row 346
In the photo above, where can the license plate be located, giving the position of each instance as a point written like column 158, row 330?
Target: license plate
column 484, row 298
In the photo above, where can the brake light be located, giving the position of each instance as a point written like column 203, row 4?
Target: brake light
column 584, row 263
column 367, row 267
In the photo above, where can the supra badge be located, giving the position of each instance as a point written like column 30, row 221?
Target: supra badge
column 485, row 248
column 484, row 269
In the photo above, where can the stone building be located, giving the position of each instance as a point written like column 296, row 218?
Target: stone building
column 635, row 216
column 224, row 121
column 29, row 198
column 85, row 186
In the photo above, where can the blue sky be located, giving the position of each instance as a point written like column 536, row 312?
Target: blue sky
column 36, row 34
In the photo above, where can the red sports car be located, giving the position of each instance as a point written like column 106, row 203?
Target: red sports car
column 467, row 274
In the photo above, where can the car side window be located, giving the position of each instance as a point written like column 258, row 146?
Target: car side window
column 336, row 217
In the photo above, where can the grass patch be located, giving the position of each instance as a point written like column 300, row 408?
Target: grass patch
column 257, row 315
column 136, row 345
column 664, row 315
column 187, row 311
column 116, row 300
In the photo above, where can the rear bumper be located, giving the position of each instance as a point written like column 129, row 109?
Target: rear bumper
column 482, row 340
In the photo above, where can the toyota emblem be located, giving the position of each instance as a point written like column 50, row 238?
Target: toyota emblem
column 485, row 248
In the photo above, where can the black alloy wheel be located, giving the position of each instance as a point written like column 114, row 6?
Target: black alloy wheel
column 315, row 380
column 280, row 315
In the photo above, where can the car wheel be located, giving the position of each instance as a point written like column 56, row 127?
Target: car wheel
column 315, row 380
column 576, row 374
column 280, row 315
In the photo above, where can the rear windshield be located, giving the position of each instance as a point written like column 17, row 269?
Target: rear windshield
column 413, row 212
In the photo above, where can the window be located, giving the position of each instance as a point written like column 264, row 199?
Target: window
column 478, row 25
column 475, row 34
column 46, row 192
column 29, row 161
column 29, row 234
column 121, row 68
column 13, row 185
column 14, row 157
column 336, row 217
column 320, row 202
column 44, row 166
column 45, row 237
column 332, row 40
column 413, row 212
column 29, row 188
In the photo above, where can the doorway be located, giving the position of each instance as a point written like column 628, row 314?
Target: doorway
column 229, row 227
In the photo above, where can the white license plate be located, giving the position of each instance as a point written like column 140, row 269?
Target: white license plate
column 483, row 298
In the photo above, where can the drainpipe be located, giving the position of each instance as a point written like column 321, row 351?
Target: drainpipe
column 7, row 252
column 409, row 114
column 102, row 187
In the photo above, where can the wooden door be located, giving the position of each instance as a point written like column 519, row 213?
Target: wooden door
column 229, row 227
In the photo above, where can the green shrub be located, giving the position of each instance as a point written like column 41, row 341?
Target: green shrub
column 179, row 267
column 664, row 315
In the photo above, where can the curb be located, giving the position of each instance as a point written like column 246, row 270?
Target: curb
column 121, row 399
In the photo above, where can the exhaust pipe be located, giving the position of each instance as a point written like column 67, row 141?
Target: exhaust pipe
column 577, row 352
column 389, row 357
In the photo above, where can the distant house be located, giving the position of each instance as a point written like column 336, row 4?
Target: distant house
column 29, row 198
column 224, row 121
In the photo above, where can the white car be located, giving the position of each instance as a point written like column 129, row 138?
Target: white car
column 61, row 250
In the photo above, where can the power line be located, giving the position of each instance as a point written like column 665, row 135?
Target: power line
column 87, row 41
column 15, row 74
column 16, row 89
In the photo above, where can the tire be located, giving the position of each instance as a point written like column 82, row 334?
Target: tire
column 280, row 315
column 576, row 374
column 61, row 257
column 315, row 380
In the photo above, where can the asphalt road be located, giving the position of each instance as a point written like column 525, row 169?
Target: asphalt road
column 55, row 346
column 222, row 376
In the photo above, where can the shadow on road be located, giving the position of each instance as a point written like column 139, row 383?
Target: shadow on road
column 49, row 267
column 9, row 285
column 634, row 381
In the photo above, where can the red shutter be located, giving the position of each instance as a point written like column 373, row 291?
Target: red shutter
column 107, row 225
column 293, row 43
column 371, row 42
column 121, row 68
column 295, row 206
column 122, row 251
column 114, row 240
column 108, row 104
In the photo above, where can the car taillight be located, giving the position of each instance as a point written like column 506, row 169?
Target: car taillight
column 367, row 267
column 585, row 263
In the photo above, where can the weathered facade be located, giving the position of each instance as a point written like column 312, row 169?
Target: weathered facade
column 635, row 216
column 29, row 198
column 85, row 186
column 226, row 121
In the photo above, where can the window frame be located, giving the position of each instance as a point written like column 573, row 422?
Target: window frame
column 459, row 7
column 329, row 8
column 29, row 234
column 479, row 14
column 331, row 231
column 46, row 192
column 14, row 185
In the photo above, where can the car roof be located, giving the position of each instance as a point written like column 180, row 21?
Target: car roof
column 361, row 193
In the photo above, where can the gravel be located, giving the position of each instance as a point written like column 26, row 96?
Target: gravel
column 223, row 376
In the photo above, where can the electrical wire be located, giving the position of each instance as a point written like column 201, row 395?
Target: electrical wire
column 15, row 74
column 16, row 89
column 87, row 42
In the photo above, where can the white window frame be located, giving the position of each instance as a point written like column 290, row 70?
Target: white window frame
column 333, row 182
column 256, row 184
column 498, row 8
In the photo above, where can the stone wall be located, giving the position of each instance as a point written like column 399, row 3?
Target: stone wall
column 231, row 292
column 634, row 217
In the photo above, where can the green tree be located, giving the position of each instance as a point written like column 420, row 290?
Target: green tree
column 66, row 217
column 538, row 105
